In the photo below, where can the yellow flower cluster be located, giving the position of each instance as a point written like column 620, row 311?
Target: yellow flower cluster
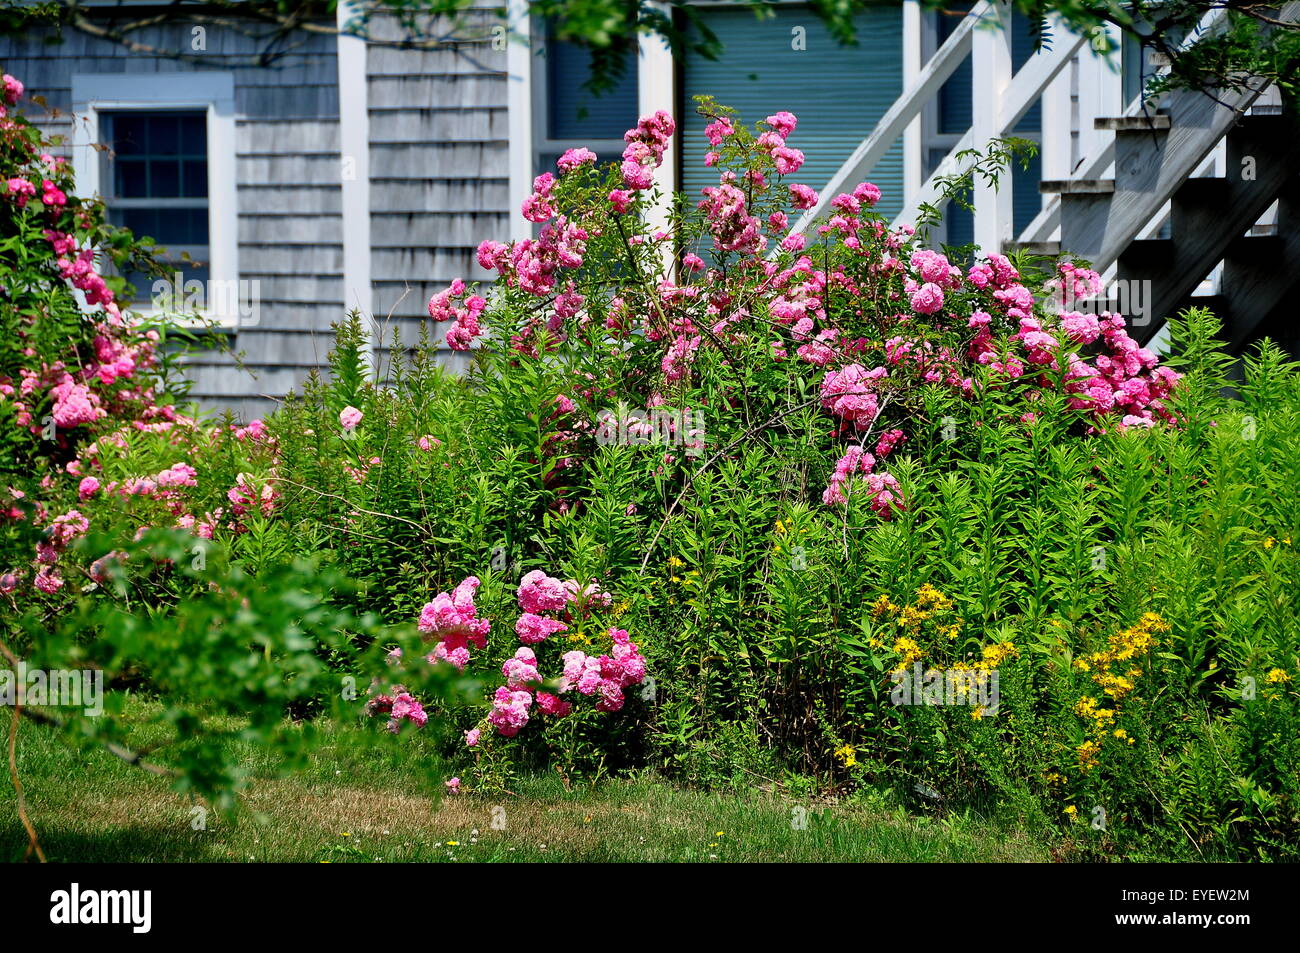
column 929, row 607
column 908, row 650
column 928, row 597
column 1101, row 718
column 1128, row 646
column 994, row 655
column 882, row 606
column 847, row 755
column 1114, row 670
column 1277, row 677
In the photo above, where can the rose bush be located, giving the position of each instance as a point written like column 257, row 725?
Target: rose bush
column 708, row 490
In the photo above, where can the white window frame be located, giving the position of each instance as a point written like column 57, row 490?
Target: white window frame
column 527, row 104
column 211, row 92
column 608, row 149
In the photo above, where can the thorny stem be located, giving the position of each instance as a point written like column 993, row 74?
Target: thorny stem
column 690, row 480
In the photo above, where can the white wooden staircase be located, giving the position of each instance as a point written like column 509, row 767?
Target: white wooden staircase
column 1137, row 205
column 1210, row 218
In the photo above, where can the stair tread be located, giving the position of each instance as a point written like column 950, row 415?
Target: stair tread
column 1256, row 247
column 1077, row 186
column 1151, row 123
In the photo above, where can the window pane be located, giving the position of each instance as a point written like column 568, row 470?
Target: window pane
column 164, row 178
column 164, row 135
column 955, row 94
column 190, row 271
column 194, row 135
column 577, row 113
column 195, row 181
column 131, row 178
column 142, row 221
column 149, row 147
column 126, row 134
column 837, row 92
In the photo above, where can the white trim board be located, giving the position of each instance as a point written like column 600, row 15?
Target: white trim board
column 354, row 173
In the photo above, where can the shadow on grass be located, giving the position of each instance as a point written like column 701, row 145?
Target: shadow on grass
column 129, row 844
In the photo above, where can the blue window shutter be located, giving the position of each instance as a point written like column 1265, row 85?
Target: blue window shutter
column 838, row 92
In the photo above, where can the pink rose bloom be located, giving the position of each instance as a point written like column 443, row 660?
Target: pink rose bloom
column 848, row 393
column 611, row 697
column 553, row 704
column 13, row 89
column 87, row 488
column 573, row 158
column 927, row 299
column 867, row 194
column 532, row 628
column 8, row 583
column 48, row 581
column 521, row 671
column 453, row 786
column 74, row 404
column 574, row 662
column 783, row 122
column 539, row 592
column 718, row 130
column 802, row 197
column 349, row 417
column 471, row 738
column 788, row 161
column 453, row 618
column 621, row 199
column 404, row 706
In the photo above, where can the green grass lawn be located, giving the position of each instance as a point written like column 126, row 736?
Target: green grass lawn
column 360, row 802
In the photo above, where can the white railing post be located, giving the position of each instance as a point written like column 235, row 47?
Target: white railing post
column 656, row 89
column 991, row 72
column 354, row 146
column 1057, row 140
column 913, row 159
column 519, row 101
column 1101, row 90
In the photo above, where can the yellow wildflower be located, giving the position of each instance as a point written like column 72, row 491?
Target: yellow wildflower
column 883, row 605
column 1088, row 752
column 908, row 650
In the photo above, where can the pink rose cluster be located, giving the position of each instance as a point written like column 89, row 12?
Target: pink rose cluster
column 447, row 305
column 451, row 621
column 534, row 265
column 605, row 676
column 12, row 90
column 1124, row 379
column 575, row 159
column 782, row 125
column 399, row 705
column 855, row 468
column 542, row 600
column 645, row 150
column 850, row 394
column 726, row 209
column 245, row 496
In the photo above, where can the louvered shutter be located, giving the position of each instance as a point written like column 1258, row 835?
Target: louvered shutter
column 838, row 92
